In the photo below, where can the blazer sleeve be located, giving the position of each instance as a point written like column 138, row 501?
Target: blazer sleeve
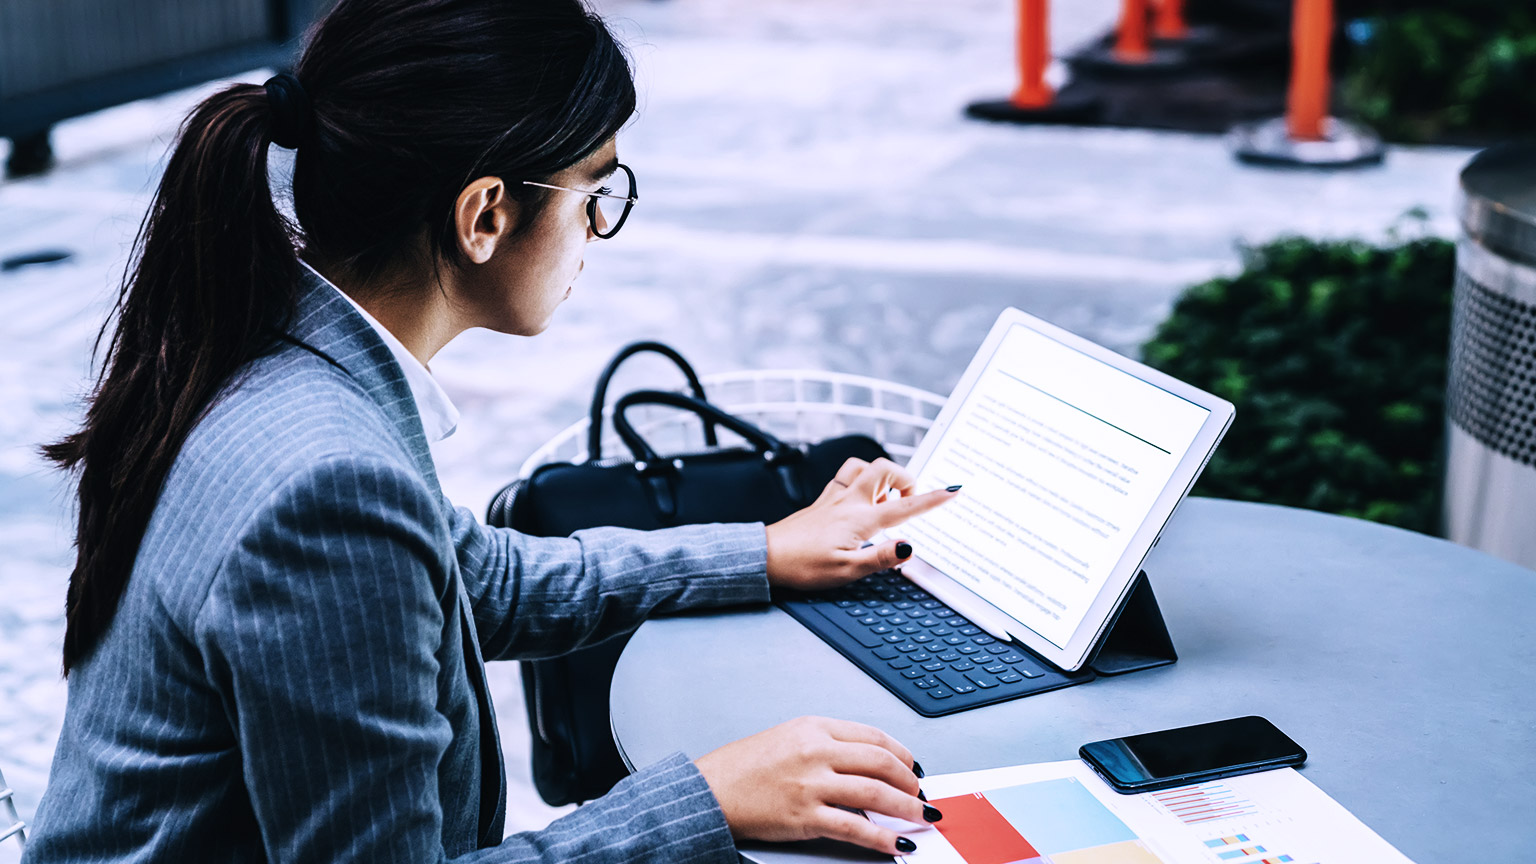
column 323, row 632
column 546, row 596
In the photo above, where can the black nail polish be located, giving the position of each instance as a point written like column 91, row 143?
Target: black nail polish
column 921, row 796
column 905, row 845
column 917, row 769
column 932, row 814
column 954, row 488
column 903, row 550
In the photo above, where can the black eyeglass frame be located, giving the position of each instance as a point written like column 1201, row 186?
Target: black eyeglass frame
column 629, row 201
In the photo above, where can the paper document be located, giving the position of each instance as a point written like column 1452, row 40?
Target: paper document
column 1062, row 813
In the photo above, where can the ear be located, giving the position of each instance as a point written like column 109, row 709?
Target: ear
column 483, row 216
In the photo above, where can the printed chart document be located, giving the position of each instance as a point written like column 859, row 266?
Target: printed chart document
column 1062, row 456
column 1062, row 813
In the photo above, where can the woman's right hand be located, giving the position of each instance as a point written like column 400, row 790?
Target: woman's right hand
column 789, row 783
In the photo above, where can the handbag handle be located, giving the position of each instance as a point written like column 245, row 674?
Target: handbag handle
column 771, row 448
column 600, row 396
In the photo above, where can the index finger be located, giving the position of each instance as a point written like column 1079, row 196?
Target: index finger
column 859, row 733
column 903, row 509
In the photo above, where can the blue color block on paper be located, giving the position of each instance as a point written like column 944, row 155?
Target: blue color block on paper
column 1058, row 816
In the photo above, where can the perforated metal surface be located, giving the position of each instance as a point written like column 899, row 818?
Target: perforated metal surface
column 1492, row 388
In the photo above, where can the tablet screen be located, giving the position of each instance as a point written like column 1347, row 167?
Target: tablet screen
column 1062, row 457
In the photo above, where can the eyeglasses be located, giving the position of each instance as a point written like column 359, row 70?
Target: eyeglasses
column 605, row 200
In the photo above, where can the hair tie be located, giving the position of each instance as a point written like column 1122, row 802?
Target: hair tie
column 293, row 117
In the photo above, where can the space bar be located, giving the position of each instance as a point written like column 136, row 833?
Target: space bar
column 853, row 629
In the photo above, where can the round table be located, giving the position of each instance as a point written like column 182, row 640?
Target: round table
column 1405, row 665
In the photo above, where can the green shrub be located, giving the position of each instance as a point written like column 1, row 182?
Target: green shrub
column 1464, row 72
column 1335, row 356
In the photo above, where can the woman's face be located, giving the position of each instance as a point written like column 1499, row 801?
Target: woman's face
column 529, row 275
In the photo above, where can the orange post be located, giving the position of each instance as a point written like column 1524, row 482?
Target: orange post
column 1131, row 45
column 1034, row 55
column 1311, row 38
column 1170, row 23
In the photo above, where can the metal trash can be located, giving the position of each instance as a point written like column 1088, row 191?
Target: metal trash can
column 1490, row 478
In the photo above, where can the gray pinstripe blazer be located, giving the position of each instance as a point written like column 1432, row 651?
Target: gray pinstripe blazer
column 295, row 671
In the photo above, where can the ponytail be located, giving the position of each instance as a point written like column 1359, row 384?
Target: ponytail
column 213, row 275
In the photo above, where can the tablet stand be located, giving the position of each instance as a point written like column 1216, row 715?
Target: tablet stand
column 1138, row 638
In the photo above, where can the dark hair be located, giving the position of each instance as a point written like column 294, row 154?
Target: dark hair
column 411, row 100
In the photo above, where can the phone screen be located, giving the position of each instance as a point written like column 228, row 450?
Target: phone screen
column 1174, row 757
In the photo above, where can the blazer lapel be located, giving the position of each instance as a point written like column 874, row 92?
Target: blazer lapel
column 327, row 324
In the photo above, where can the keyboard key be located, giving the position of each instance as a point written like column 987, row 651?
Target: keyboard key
column 922, row 638
column 933, row 666
column 940, row 693
column 997, row 668
column 844, row 604
column 980, row 680
column 945, row 612
column 930, row 604
column 920, row 657
column 883, row 611
column 924, row 683
column 962, row 666
column 852, row 628
column 869, row 620
column 968, row 649
column 900, row 663
column 1028, row 672
column 905, row 647
column 882, row 629
column 919, row 595
column 969, row 630
column 910, row 629
column 954, row 640
column 942, row 631
column 913, row 673
column 885, row 652
column 894, row 637
column 999, row 649
column 904, row 604
column 984, row 640
column 856, row 611
column 950, row 656
column 1012, row 657
column 896, row 620
column 929, row 621
column 1010, row 677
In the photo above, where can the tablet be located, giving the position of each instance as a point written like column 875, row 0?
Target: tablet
column 1073, row 458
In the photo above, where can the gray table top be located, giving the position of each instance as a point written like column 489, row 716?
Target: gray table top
column 1404, row 665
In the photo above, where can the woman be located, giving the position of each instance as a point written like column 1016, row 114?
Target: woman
column 276, row 624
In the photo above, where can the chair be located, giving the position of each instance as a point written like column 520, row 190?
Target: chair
column 10, row 821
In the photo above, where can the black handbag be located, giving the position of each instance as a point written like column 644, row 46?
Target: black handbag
column 574, row 758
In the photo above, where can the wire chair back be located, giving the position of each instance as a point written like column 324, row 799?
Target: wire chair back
column 10, row 821
column 800, row 406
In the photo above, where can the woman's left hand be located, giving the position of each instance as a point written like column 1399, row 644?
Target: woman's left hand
column 821, row 546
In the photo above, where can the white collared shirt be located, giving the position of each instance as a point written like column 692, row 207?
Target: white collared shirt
column 439, row 418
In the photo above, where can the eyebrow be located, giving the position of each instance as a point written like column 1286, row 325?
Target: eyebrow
column 605, row 169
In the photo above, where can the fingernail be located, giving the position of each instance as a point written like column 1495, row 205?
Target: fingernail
column 921, row 796
column 932, row 814
column 954, row 488
column 905, row 845
column 917, row 769
column 903, row 550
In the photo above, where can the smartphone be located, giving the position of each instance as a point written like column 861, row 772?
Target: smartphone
column 1190, row 754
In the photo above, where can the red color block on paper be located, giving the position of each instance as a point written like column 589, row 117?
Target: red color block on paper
column 979, row 833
